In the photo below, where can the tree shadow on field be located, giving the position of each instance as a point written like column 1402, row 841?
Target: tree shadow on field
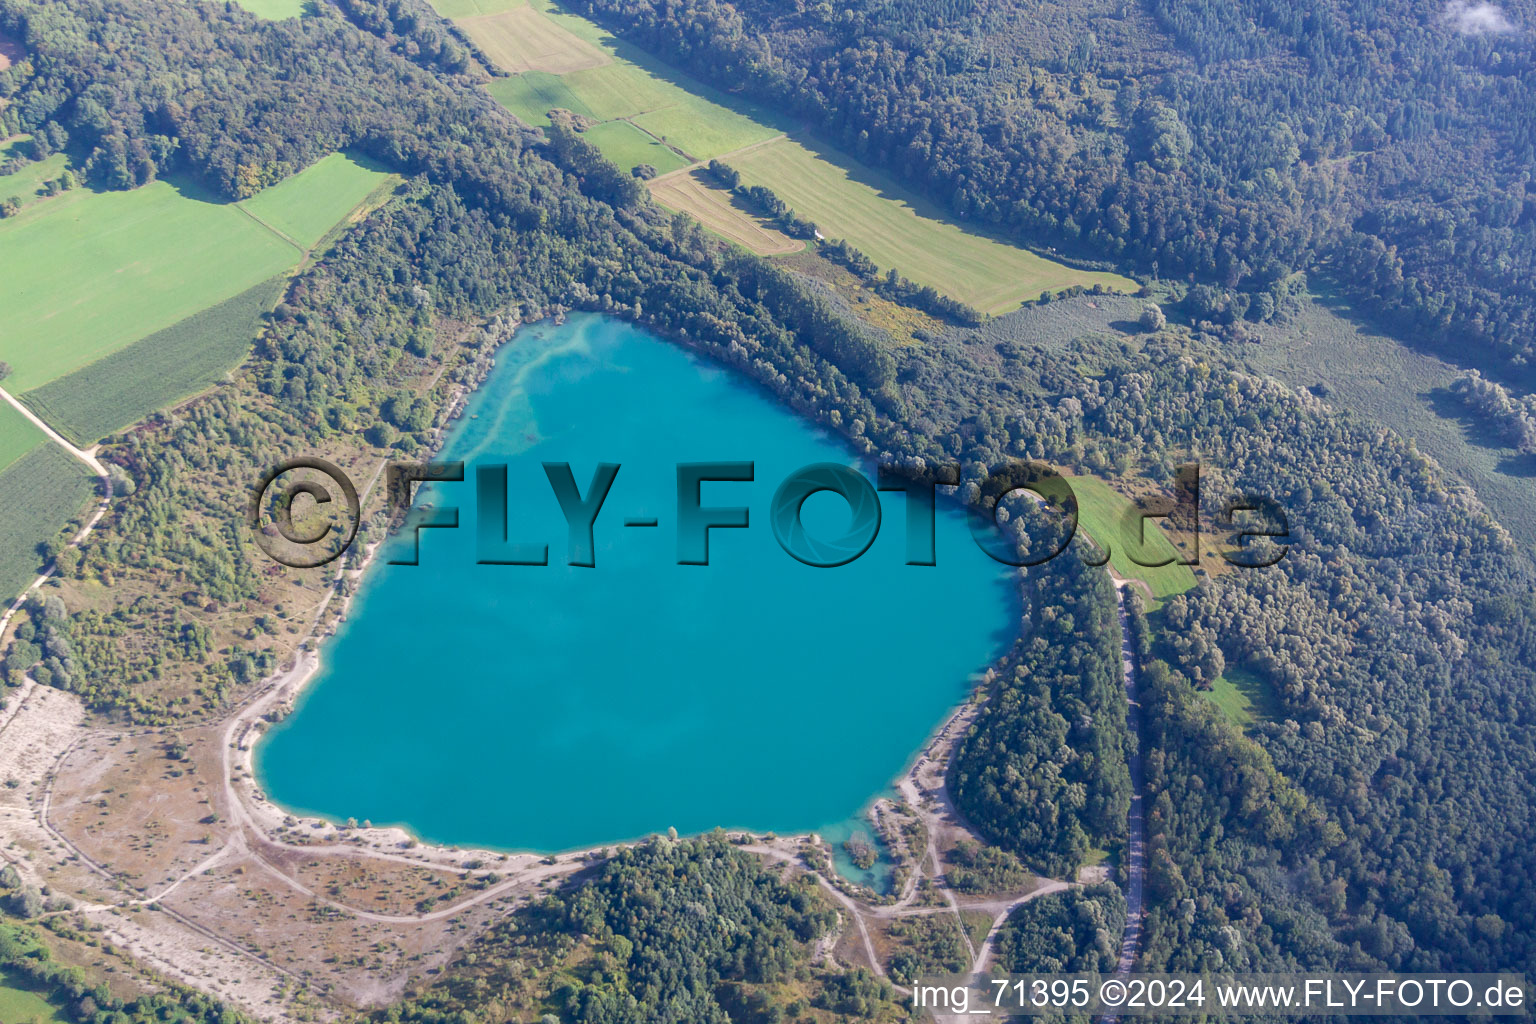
column 1474, row 427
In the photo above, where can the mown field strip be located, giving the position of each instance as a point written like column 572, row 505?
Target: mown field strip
column 898, row 230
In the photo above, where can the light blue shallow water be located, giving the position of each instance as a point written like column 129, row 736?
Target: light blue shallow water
column 549, row 708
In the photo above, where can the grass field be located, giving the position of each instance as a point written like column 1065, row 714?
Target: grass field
column 687, row 193
column 1372, row 375
column 154, row 372
column 275, row 10
column 626, row 145
column 40, row 492
column 897, row 230
column 523, row 39
column 22, row 1005
column 309, row 204
column 531, row 96
column 1102, row 514
column 563, row 61
column 17, row 437
column 1242, row 697
column 455, row 9
column 87, row 273
column 26, row 185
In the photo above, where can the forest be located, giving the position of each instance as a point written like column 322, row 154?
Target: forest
column 1380, row 819
column 1234, row 143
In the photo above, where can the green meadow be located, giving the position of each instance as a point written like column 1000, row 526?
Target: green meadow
column 1104, row 514
column 26, row 184
column 40, row 492
column 627, row 146
column 274, row 10
column 154, row 372
column 17, row 436
column 23, row 1005
column 84, row 274
column 1242, row 696
column 897, row 229
column 305, row 207
column 675, row 112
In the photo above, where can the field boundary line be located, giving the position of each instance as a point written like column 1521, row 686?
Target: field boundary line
column 86, row 455
column 303, row 252
column 705, row 163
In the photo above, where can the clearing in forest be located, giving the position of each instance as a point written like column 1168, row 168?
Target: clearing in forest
column 898, row 230
column 710, row 207
column 523, row 39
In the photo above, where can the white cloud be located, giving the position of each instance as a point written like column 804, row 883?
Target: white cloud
column 1476, row 19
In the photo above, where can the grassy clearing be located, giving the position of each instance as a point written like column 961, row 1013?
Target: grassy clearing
column 712, row 208
column 305, row 206
column 40, row 492
column 898, row 230
column 455, row 9
column 85, row 274
column 1242, row 696
column 20, row 1004
column 181, row 360
column 531, row 96
column 17, row 437
column 563, row 61
column 26, row 185
column 1103, row 514
column 523, row 39
column 274, row 10
column 627, row 146
column 1375, row 376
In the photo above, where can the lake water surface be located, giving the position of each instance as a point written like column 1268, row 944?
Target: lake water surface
column 549, row 708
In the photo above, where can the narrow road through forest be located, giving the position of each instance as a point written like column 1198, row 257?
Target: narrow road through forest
column 1136, row 829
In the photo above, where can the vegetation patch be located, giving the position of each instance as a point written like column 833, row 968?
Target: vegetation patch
column 523, row 39
column 118, row 391
column 39, row 492
column 900, row 231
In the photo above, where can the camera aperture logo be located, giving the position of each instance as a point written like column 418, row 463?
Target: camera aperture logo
column 306, row 513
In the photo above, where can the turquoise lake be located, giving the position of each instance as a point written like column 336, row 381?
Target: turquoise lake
column 556, row 707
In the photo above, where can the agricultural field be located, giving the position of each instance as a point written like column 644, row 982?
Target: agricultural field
column 686, row 193
column 1368, row 374
column 900, row 231
column 304, row 208
column 1242, row 696
column 17, row 437
column 522, row 39
column 560, row 61
column 40, row 492
column 84, row 274
column 154, row 372
column 627, row 146
column 1103, row 513
column 87, row 273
